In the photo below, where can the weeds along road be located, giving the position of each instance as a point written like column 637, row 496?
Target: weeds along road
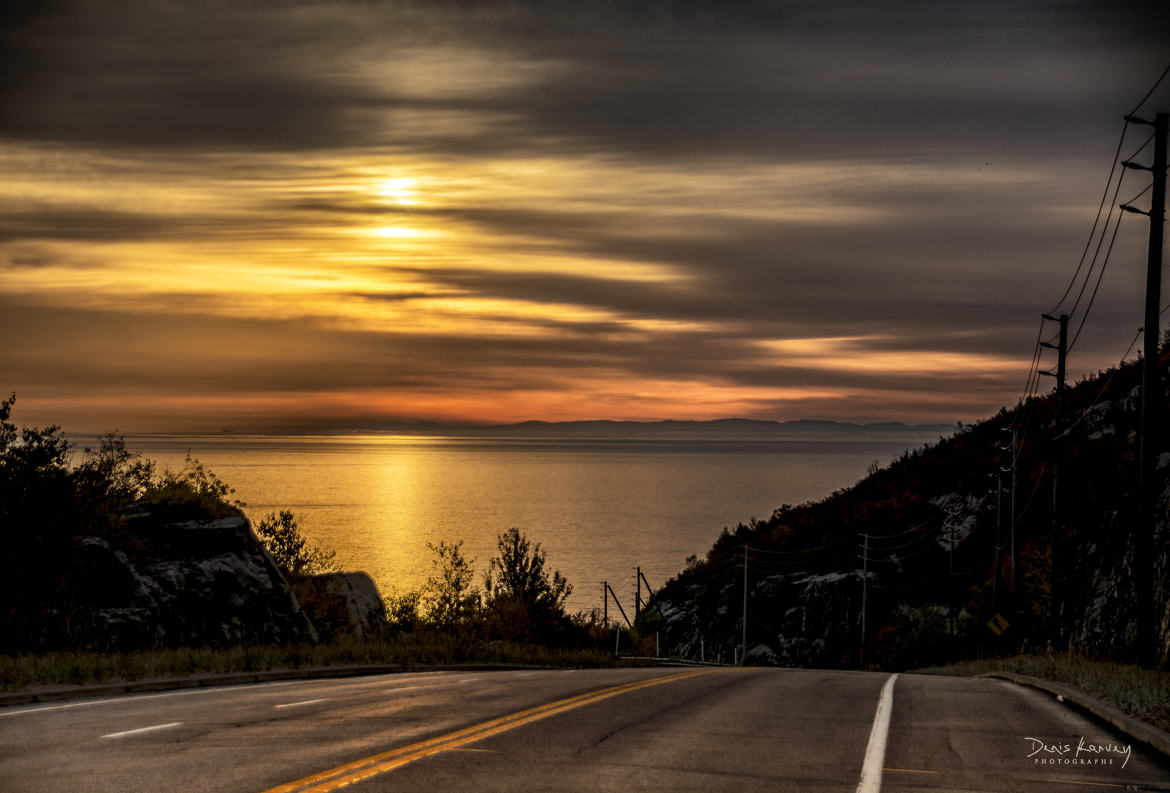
column 575, row 730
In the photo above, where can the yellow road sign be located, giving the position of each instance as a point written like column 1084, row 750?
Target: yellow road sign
column 998, row 624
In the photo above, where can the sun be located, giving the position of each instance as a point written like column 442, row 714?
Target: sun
column 399, row 190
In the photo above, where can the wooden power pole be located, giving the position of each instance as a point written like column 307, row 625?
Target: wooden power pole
column 1058, row 571
column 1153, row 396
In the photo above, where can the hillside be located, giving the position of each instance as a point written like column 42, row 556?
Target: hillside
column 926, row 545
column 663, row 429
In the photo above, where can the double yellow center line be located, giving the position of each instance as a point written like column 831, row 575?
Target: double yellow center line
column 380, row 763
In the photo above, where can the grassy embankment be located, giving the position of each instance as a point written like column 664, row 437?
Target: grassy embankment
column 23, row 671
column 1142, row 693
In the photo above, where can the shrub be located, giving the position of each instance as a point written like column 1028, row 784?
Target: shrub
column 402, row 611
column 281, row 534
column 194, row 493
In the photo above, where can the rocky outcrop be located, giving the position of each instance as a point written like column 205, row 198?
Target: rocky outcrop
column 187, row 583
column 342, row 603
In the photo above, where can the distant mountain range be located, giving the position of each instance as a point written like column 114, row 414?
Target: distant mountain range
column 656, row 429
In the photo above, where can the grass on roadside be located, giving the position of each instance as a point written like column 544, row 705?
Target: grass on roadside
column 1142, row 693
column 78, row 668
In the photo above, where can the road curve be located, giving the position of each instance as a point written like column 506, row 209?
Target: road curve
column 575, row 730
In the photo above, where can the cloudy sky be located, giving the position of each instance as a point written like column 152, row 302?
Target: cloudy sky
column 321, row 214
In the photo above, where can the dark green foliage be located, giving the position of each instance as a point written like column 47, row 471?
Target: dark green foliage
column 194, row 493
column 281, row 535
column 450, row 599
column 525, row 602
column 110, row 478
column 404, row 612
column 38, row 517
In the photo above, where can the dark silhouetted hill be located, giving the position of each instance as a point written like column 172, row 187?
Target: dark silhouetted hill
column 928, row 544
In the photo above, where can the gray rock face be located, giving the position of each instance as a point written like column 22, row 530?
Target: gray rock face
column 343, row 603
column 190, row 583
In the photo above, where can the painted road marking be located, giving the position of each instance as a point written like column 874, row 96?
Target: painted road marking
column 224, row 689
column 374, row 765
column 1095, row 784
column 299, row 704
column 140, row 730
column 875, row 752
column 137, row 697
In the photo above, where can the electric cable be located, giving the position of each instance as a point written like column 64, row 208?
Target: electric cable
column 1108, row 382
column 1096, row 220
column 1100, row 242
column 1150, row 93
column 1093, row 297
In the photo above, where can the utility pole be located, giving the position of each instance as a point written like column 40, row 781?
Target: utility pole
column 605, row 602
column 638, row 594
column 1061, row 348
column 743, row 656
column 998, row 534
column 951, row 579
column 864, row 593
column 1015, row 452
column 1153, row 397
column 1057, row 571
column 618, row 603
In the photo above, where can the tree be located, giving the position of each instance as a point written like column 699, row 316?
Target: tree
column 111, row 477
column 38, row 516
column 525, row 601
column 281, row 534
column 450, row 599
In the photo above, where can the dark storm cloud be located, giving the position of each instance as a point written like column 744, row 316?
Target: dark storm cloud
column 165, row 74
column 738, row 80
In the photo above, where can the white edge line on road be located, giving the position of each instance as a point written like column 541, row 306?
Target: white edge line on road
column 140, row 730
column 215, row 689
column 875, row 751
column 108, row 701
column 304, row 702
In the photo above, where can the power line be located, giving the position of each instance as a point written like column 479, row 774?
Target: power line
column 1150, row 93
column 1108, row 382
column 1093, row 297
column 1100, row 241
column 1147, row 189
column 1109, row 250
column 833, row 544
column 1096, row 220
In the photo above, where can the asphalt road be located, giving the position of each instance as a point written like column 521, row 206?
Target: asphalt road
column 575, row 730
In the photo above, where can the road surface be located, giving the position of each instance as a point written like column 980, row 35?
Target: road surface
column 575, row 730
